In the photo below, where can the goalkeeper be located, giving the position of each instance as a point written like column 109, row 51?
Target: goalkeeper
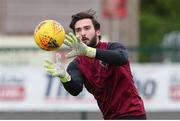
column 103, row 68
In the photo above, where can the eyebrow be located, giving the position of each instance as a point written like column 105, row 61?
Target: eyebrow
column 83, row 26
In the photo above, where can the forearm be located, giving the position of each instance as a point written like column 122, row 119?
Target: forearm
column 75, row 85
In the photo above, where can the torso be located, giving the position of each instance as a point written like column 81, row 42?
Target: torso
column 112, row 86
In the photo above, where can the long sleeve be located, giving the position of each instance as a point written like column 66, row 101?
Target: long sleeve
column 75, row 86
column 116, row 54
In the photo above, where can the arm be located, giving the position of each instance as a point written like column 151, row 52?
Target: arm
column 116, row 54
column 75, row 85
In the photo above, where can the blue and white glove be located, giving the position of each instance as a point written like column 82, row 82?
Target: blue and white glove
column 78, row 47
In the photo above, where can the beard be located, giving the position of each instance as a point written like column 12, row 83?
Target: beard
column 93, row 41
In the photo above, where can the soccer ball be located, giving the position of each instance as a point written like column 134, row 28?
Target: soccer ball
column 49, row 35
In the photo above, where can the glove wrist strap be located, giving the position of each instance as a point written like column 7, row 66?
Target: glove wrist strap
column 91, row 52
column 66, row 78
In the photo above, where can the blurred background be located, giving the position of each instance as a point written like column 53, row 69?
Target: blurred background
column 148, row 28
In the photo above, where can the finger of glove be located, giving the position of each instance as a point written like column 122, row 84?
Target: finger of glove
column 48, row 64
column 58, row 58
column 74, row 37
column 70, row 39
column 69, row 44
column 54, row 73
column 51, row 71
column 59, row 67
column 71, row 54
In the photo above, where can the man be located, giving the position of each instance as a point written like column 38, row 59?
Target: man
column 103, row 68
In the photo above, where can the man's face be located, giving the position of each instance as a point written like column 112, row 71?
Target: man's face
column 86, row 32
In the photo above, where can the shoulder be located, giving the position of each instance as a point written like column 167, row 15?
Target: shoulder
column 115, row 45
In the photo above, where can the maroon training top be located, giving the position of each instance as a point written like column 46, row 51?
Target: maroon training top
column 112, row 86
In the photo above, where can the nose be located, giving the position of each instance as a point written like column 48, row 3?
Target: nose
column 83, row 33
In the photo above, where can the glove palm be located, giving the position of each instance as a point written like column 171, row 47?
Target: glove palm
column 78, row 47
column 56, row 69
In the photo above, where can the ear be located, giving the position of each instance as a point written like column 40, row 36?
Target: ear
column 98, row 32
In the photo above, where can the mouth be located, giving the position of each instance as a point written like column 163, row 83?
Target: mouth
column 85, row 40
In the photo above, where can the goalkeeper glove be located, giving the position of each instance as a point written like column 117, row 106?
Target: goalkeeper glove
column 56, row 69
column 78, row 47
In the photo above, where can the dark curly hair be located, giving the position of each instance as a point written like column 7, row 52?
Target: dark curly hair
column 82, row 15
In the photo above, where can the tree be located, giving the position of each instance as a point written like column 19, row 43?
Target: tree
column 157, row 18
